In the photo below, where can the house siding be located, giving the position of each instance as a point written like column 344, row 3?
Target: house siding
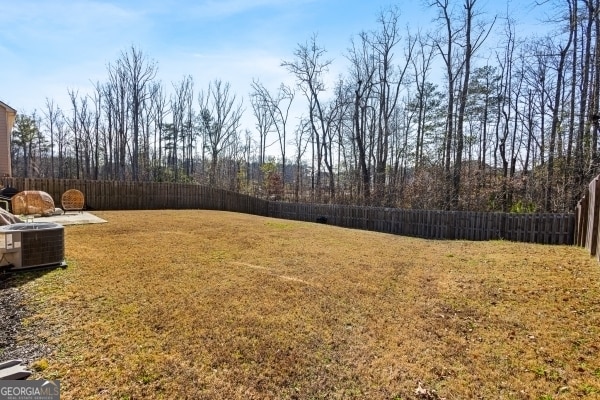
column 7, row 116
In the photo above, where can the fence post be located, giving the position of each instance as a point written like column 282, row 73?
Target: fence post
column 582, row 222
column 591, row 241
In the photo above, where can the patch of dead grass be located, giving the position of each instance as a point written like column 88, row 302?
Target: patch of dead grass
column 203, row 304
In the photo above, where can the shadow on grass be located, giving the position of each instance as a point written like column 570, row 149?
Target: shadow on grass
column 13, row 309
column 17, row 278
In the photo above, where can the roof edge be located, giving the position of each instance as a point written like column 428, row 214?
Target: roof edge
column 9, row 108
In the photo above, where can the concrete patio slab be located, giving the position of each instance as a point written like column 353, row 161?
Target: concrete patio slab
column 72, row 218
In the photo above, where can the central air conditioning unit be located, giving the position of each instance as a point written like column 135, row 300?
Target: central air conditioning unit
column 32, row 245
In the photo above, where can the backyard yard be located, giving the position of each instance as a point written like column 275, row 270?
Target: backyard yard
column 217, row 305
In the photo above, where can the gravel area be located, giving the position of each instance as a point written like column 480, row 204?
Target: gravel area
column 15, row 341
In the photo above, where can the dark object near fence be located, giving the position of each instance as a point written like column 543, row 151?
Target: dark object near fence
column 13, row 370
column 5, row 203
column 9, row 192
column 321, row 219
column 6, row 195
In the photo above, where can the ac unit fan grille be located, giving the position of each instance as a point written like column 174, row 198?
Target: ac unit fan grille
column 42, row 247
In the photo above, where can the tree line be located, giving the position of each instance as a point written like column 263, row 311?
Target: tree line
column 467, row 116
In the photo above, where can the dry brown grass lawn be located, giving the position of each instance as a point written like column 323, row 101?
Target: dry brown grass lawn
column 214, row 305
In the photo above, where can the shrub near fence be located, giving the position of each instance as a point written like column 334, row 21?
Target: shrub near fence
column 465, row 225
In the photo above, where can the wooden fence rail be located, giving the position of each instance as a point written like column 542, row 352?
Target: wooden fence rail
column 111, row 195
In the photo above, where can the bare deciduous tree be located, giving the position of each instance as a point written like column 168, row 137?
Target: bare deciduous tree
column 221, row 114
column 309, row 68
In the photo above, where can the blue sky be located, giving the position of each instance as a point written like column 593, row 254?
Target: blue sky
column 50, row 46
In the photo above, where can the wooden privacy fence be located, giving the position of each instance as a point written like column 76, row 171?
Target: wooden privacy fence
column 116, row 195
column 465, row 225
column 111, row 195
column 587, row 217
